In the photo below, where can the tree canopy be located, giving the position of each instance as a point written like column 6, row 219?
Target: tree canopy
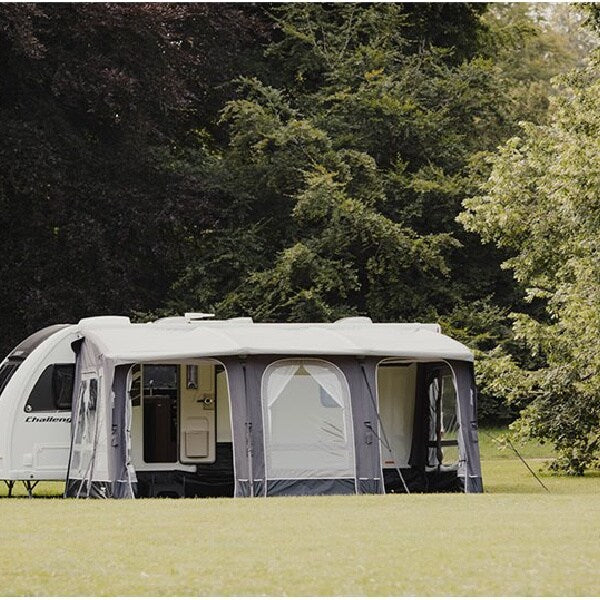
column 91, row 96
column 541, row 202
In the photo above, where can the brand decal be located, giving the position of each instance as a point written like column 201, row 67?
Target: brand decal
column 48, row 419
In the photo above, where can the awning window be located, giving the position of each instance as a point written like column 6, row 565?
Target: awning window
column 307, row 420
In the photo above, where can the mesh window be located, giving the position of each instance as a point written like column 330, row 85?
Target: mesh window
column 135, row 391
column 443, row 420
column 307, row 420
column 449, row 420
column 79, row 428
column 93, row 401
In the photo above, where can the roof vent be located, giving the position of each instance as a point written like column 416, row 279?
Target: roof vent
column 355, row 321
column 197, row 316
column 240, row 320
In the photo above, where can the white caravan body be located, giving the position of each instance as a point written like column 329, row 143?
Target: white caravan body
column 35, row 435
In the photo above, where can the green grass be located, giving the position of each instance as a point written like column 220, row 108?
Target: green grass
column 516, row 539
column 491, row 450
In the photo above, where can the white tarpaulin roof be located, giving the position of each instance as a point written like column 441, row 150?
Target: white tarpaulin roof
column 177, row 338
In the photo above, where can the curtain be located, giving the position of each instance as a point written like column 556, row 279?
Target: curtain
column 328, row 379
column 279, row 377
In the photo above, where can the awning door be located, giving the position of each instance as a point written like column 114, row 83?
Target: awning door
column 86, row 432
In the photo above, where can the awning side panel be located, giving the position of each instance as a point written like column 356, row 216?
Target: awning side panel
column 88, row 470
column 236, row 381
column 123, row 480
column 467, row 398
column 361, row 377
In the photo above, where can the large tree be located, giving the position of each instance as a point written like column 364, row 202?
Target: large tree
column 542, row 202
column 346, row 168
column 92, row 98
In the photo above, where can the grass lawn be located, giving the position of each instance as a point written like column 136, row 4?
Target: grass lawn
column 516, row 539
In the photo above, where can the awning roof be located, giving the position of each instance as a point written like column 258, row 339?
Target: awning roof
column 175, row 338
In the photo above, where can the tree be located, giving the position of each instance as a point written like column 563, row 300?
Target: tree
column 531, row 44
column 93, row 97
column 541, row 203
column 346, row 164
column 356, row 164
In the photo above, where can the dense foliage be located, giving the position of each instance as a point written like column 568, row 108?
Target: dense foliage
column 90, row 96
column 304, row 162
column 542, row 202
column 345, row 178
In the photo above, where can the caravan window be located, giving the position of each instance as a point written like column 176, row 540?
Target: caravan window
column 307, row 421
column 160, row 378
column 53, row 390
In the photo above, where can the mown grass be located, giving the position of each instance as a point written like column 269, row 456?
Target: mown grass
column 516, row 539
column 492, row 450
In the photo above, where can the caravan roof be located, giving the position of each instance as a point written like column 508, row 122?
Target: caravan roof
column 178, row 337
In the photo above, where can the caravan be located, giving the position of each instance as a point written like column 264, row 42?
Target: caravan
column 36, row 382
column 187, row 407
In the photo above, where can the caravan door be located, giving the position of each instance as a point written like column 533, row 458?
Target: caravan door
column 173, row 416
column 197, row 440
